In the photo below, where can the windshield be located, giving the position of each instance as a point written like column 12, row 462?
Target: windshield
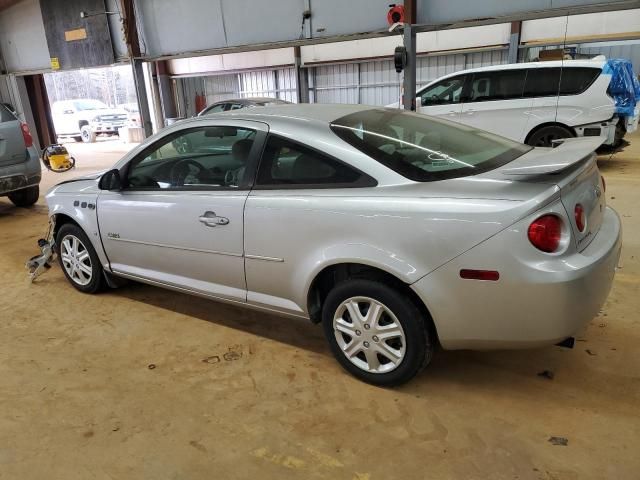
column 88, row 105
column 424, row 148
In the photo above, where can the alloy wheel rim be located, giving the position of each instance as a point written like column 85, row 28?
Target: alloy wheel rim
column 76, row 260
column 369, row 335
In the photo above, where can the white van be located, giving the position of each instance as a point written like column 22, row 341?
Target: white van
column 533, row 103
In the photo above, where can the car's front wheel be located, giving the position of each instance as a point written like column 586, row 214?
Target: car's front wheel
column 376, row 332
column 87, row 135
column 78, row 259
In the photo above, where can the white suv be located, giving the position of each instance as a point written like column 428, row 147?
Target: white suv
column 533, row 103
column 85, row 119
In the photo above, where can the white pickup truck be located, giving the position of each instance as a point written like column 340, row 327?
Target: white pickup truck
column 85, row 119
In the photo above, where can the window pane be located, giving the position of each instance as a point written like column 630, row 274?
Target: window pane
column 5, row 114
column 201, row 157
column 445, row 92
column 542, row 82
column 503, row 85
column 425, row 148
column 236, row 106
column 216, row 108
column 288, row 163
column 577, row 80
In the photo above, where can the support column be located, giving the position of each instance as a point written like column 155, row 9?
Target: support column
column 409, row 84
column 302, row 78
column 141, row 93
column 514, row 42
column 167, row 99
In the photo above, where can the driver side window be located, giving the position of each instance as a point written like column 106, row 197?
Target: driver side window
column 446, row 92
column 201, row 158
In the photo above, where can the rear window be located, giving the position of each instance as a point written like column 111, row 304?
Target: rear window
column 424, row 148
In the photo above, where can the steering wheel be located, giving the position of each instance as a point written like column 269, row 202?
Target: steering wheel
column 181, row 169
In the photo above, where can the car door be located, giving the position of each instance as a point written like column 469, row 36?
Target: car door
column 443, row 98
column 494, row 102
column 12, row 149
column 178, row 219
column 288, row 217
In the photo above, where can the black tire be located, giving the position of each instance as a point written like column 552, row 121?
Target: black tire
column 25, row 197
column 544, row 136
column 88, row 135
column 419, row 336
column 78, row 138
column 68, row 232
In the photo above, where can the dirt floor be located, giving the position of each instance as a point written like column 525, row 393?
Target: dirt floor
column 144, row 383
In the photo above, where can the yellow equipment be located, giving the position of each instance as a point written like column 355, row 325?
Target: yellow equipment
column 57, row 159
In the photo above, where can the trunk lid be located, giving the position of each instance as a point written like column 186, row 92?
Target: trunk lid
column 572, row 167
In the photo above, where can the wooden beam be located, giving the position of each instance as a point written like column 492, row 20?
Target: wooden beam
column 411, row 11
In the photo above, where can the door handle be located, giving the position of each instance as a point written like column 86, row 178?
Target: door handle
column 210, row 219
column 470, row 112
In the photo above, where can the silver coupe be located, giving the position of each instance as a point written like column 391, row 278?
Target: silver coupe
column 396, row 231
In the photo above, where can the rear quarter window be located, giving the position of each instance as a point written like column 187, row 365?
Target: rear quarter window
column 549, row 81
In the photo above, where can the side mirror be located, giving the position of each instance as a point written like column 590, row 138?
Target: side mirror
column 110, row 180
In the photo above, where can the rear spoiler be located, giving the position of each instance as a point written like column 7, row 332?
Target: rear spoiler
column 542, row 161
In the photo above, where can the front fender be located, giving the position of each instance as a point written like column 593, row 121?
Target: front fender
column 81, row 207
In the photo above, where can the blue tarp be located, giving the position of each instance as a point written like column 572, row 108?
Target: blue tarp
column 624, row 86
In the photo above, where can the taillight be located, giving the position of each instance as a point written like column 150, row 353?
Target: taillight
column 580, row 217
column 545, row 233
column 26, row 134
column 604, row 184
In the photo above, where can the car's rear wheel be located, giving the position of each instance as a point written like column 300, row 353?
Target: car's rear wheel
column 545, row 136
column 78, row 259
column 88, row 136
column 25, row 197
column 376, row 332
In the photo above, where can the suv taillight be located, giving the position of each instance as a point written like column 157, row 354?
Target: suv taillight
column 580, row 217
column 26, row 134
column 545, row 232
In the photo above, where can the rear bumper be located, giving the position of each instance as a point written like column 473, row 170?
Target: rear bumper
column 21, row 175
column 534, row 303
column 605, row 129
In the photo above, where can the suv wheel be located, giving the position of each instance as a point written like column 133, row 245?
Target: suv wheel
column 546, row 135
column 88, row 136
column 376, row 333
column 25, row 197
column 78, row 259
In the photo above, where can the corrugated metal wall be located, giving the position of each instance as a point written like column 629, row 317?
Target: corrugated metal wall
column 280, row 83
column 377, row 83
column 372, row 82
